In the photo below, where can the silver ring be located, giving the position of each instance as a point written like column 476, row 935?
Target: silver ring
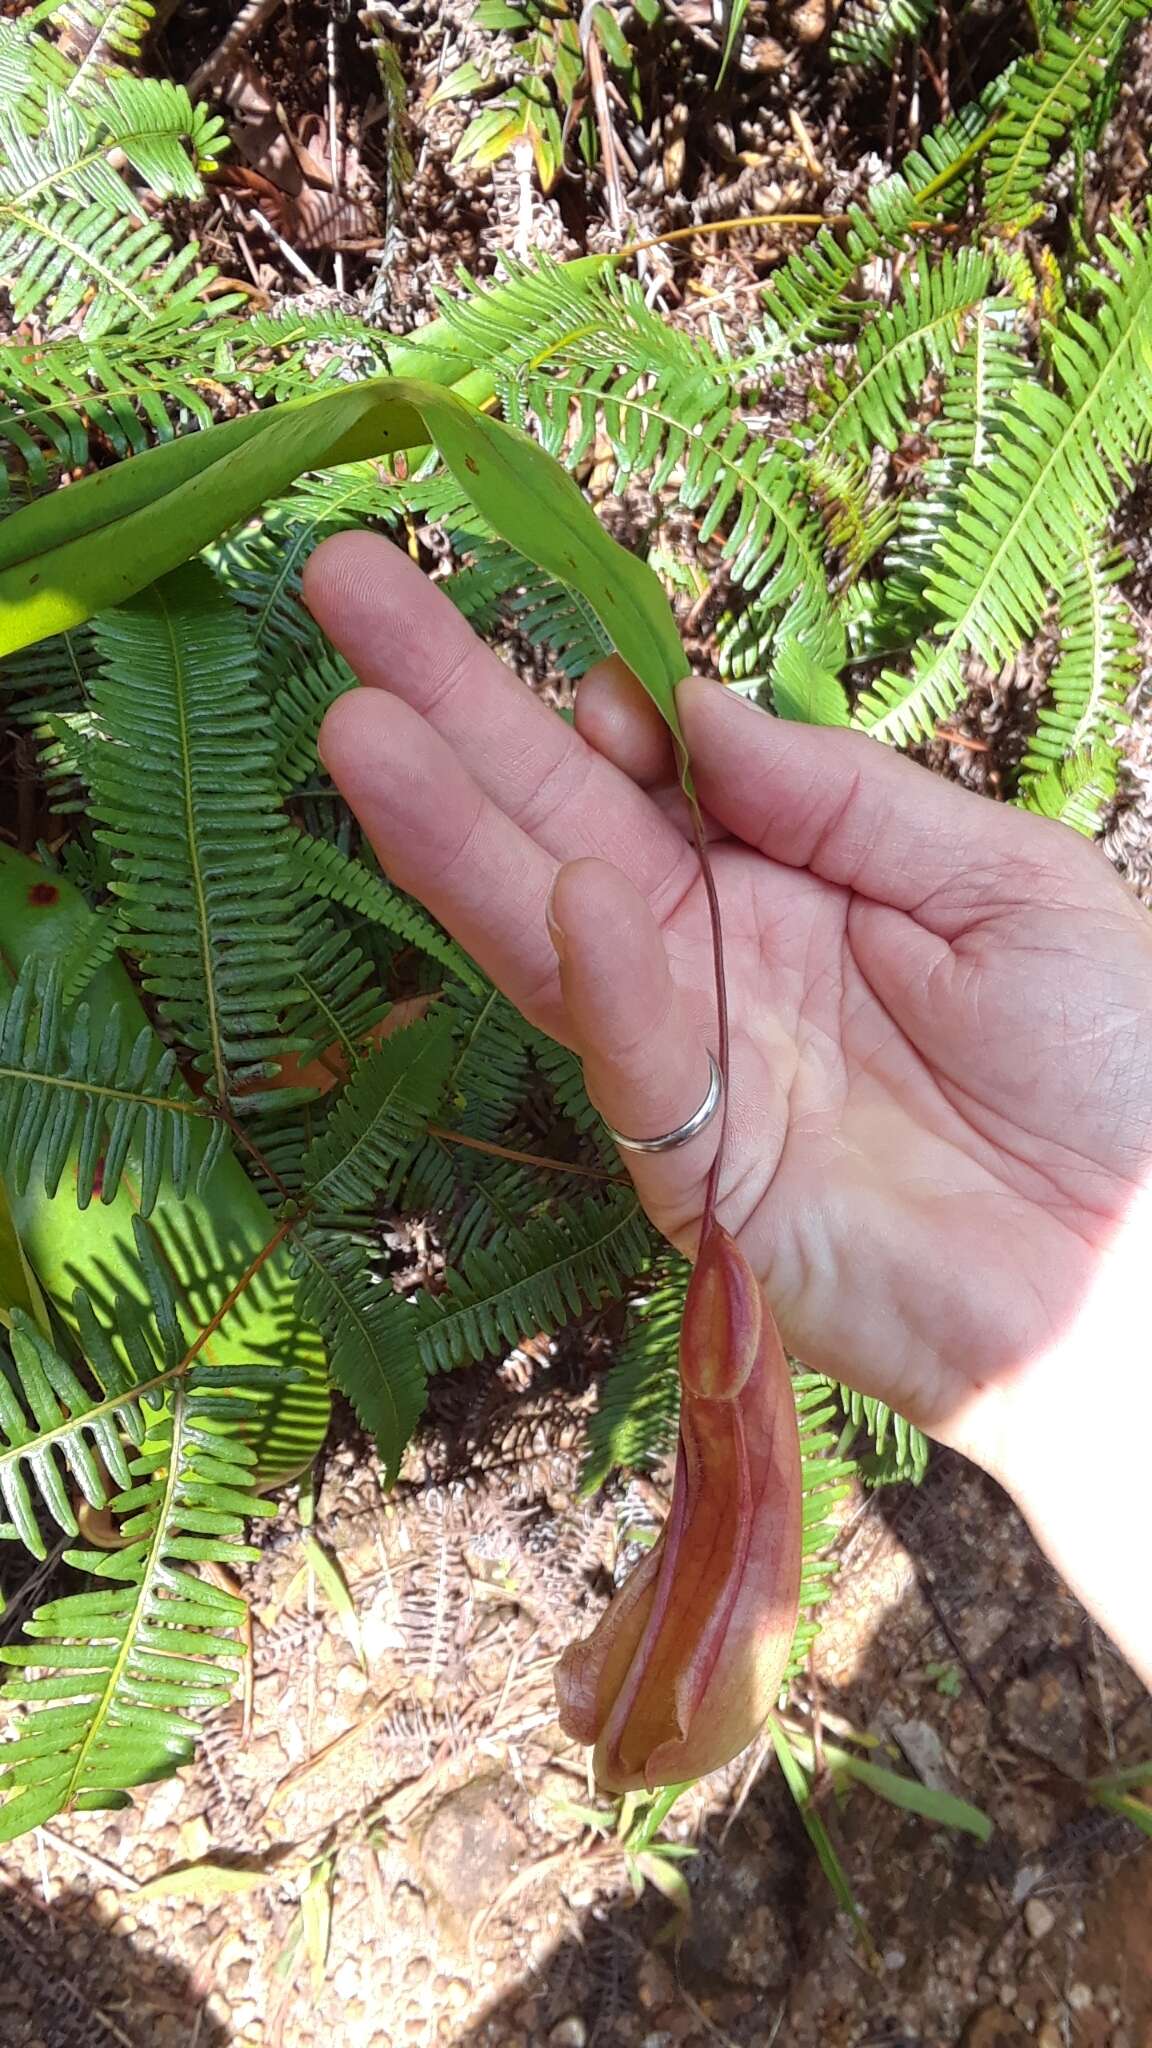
column 683, row 1132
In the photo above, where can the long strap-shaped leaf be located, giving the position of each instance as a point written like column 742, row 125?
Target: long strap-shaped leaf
column 78, row 551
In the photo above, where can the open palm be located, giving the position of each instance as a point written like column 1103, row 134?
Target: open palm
column 940, row 1102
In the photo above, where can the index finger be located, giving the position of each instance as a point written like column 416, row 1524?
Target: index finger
column 401, row 634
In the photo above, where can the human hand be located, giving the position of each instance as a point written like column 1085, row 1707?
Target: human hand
column 940, row 1101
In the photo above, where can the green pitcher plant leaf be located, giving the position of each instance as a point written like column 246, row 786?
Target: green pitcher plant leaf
column 96, row 544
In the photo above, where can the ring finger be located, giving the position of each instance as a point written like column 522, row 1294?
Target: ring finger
column 641, row 1037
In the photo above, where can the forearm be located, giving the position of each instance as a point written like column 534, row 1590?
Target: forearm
column 1073, row 1447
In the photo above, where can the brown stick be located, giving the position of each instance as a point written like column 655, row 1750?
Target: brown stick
column 526, row 1158
column 247, row 24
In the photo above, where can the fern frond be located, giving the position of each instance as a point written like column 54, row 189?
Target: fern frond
column 1097, row 664
column 826, row 1478
column 263, row 565
column 809, row 298
column 518, row 320
column 1075, row 792
column 483, row 1089
column 978, row 382
column 113, row 1099
column 534, row 1279
column 56, row 1427
column 1050, row 93
column 480, row 1200
column 299, row 693
column 808, row 651
column 325, row 871
column 31, row 67
column 378, row 1122
column 668, row 419
column 338, row 998
column 162, row 372
column 72, row 232
column 896, row 350
column 899, row 1451
column 634, row 1421
column 49, row 678
column 186, row 797
column 500, row 585
column 118, row 1674
column 371, row 1337
column 125, row 390
column 857, row 520
column 976, row 385
column 485, row 1082
column 565, row 1077
column 869, row 32
column 101, row 36
column 1020, row 516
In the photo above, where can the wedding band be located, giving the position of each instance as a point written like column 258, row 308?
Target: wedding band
column 683, row 1132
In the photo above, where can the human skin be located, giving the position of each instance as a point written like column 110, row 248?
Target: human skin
column 938, row 1156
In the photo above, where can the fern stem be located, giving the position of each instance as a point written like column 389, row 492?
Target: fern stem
column 732, row 226
column 447, row 1137
column 796, row 220
column 257, row 1157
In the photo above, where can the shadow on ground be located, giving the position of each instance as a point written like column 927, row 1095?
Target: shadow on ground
column 477, row 1923
column 984, row 1676
column 68, row 1979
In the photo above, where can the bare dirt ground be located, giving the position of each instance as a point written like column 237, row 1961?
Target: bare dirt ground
column 409, row 1763
column 470, row 1907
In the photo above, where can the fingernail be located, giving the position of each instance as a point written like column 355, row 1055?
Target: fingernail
column 555, row 929
column 731, row 694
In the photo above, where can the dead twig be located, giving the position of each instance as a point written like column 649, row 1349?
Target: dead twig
column 108, row 1873
column 256, row 219
column 248, row 22
column 335, row 148
column 594, row 62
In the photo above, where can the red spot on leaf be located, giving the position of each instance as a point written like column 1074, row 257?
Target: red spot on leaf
column 98, row 1179
column 43, row 892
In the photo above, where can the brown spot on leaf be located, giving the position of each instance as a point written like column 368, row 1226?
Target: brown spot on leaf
column 472, row 466
column 42, row 893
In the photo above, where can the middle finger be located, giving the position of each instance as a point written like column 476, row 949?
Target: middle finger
column 401, row 634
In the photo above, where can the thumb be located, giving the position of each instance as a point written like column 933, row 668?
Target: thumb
column 860, row 816
column 641, row 1038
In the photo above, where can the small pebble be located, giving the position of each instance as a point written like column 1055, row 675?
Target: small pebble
column 419, row 1970
column 346, row 1979
column 1008, row 1994
column 1080, row 1997
column 894, row 1959
column 1039, row 1918
column 1049, row 2036
column 569, row 2033
column 233, row 1949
